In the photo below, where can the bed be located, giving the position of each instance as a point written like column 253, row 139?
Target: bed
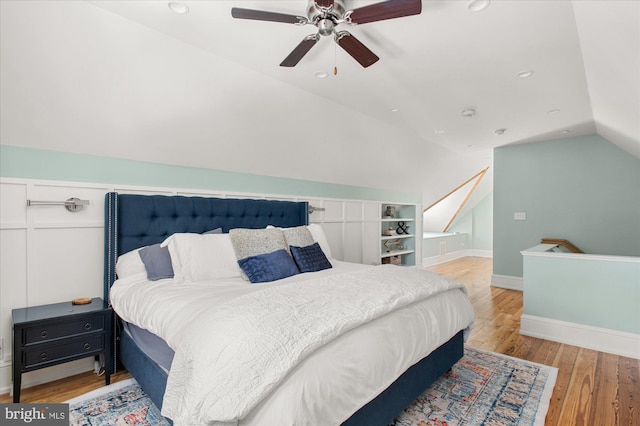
column 362, row 369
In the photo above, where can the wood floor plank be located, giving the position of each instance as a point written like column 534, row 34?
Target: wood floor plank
column 629, row 391
column 606, row 399
column 563, row 357
column 581, row 386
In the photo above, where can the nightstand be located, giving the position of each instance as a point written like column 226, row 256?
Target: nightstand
column 61, row 332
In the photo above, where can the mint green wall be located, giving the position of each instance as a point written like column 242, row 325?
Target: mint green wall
column 583, row 189
column 478, row 223
column 29, row 163
column 600, row 293
column 483, row 224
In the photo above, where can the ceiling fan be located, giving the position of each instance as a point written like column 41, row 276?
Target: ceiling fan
column 326, row 15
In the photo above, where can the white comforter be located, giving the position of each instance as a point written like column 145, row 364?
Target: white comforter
column 232, row 364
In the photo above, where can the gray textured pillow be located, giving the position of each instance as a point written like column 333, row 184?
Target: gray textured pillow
column 298, row 236
column 252, row 242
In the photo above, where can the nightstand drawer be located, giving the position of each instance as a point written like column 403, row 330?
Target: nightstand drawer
column 45, row 332
column 42, row 354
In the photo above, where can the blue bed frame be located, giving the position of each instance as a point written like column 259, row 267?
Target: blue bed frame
column 133, row 221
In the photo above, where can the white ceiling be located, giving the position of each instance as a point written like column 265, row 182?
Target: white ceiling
column 131, row 79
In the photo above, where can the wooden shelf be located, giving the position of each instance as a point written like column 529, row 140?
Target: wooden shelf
column 395, row 237
column 395, row 253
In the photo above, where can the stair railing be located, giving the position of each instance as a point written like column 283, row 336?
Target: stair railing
column 564, row 243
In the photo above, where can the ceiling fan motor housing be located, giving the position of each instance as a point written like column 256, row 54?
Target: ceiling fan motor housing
column 325, row 19
column 325, row 27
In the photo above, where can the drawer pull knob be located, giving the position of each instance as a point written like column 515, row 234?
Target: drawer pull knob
column 44, row 334
column 87, row 326
column 87, row 346
column 43, row 356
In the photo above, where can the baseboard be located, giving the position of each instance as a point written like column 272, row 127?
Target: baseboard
column 44, row 375
column 585, row 336
column 505, row 281
column 448, row 257
column 481, row 253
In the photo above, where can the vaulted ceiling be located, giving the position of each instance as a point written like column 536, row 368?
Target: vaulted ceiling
column 132, row 79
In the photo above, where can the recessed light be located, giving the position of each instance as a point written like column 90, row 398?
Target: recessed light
column 439, row 132
column 564, row 132
column 478, row 5
column 178, row 7
column 468, row 113
column 525, row 74
column 394, row 109
column 321, row 74
column 553, row 111
column 499, row 131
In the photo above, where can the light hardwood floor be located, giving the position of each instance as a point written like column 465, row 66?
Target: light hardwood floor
column 593, row 388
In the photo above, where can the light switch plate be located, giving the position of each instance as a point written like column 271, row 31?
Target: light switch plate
column 519, row 216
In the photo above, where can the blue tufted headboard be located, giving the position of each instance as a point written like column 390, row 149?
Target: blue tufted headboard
column 133, row 221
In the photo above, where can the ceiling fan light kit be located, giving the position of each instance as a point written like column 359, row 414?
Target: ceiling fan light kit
column 326, row 16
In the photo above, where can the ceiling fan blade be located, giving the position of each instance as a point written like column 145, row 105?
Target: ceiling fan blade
column 300, row 50
column 356, row 49
column 326, row 4
column 261, row 15
column 386, row 10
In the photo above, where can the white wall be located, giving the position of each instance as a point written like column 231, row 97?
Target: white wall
column 50, row 255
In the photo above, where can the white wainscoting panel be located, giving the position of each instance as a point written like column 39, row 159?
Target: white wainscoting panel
column 68, row 262
column 353, row 211
column 13, row 277
column 12, row 212
column 371, row 242
column 334, row 211
column 353, row 242
column 372, row 213
column 334, row 232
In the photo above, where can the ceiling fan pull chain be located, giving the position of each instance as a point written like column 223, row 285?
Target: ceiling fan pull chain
column 335, row 65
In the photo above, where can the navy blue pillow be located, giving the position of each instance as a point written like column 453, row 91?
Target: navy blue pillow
column 268, row 267
column 310, row 258
column 157, row 262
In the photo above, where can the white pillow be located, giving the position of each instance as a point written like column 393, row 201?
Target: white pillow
column 129, row 264
column 196, row 257
column 318, row 236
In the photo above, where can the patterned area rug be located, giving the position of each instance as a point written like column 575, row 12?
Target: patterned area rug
column 483, row 388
